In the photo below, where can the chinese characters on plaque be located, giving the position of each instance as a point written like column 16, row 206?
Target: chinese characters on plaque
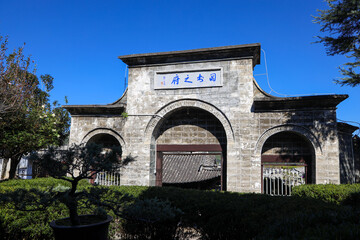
column 191, row 79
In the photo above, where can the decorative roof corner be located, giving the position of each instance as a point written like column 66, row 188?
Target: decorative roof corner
column 347, row 128
column 115, row 108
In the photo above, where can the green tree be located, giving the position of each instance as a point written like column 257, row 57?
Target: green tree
column 76, row 163
column 15, row 86
column 342, row 23
column 32, row 123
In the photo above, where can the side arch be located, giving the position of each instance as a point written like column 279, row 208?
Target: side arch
column 286, row 139
column 289, row 128
column 97, row 131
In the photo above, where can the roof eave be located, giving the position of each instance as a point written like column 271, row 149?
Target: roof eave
column 298, row 103
column 217, row 53
column 95, row 109
column 345, row 127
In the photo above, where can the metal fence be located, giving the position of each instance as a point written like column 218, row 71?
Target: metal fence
column 107, row 179
column 279, row 180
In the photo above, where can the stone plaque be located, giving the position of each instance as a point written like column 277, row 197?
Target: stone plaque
column 188, row 79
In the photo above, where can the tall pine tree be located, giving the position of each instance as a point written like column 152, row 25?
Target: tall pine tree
column 341, row 22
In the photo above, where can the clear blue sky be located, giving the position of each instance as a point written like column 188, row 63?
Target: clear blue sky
column 78, row 42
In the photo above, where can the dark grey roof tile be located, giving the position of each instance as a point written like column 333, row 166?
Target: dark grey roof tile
column 186, row 168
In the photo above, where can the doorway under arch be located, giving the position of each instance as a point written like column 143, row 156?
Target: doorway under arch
column 287, row 160
column 106, row 141
column 191, row 150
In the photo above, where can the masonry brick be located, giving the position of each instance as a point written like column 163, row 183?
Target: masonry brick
column 238, row 115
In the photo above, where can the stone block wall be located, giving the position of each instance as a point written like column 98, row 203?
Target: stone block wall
column 318, row 126
column 84, row 127
column 236, row 123
column 286, row 144
column 191, row 126
column 346, row 157
column 146, row 104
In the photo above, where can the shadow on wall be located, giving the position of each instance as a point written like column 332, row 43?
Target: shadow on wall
column 321, row 123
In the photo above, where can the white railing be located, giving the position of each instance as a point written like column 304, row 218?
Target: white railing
column 107, row 179
column 279, row 180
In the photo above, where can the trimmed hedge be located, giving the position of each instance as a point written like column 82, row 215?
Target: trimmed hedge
column 16, row 224
column 226, row 215
column 314, row 213
column 345, row 194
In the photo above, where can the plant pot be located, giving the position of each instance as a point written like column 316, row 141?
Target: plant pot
column 93, row 231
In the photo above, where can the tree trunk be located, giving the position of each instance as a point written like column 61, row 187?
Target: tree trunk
column 4, row 168
column 13, row 165
column 72, row 204
column 74, row 217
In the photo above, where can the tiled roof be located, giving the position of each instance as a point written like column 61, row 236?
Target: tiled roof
column 187, row 168
column 251, row 51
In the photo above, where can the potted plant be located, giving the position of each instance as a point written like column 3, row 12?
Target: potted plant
column 74, row 164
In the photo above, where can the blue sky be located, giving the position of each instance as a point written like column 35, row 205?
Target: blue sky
column 78, row 42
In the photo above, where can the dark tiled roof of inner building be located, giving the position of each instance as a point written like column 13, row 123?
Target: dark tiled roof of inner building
column 187, row 168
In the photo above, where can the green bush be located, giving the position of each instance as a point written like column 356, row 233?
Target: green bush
column 39, row 183
column 15, row 224
column 347, row 194
column 150, row 219
column 316, row 212
column 225, row 215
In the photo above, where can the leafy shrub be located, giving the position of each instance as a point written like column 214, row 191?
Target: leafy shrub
column 339, row 194
column 320, row 224
column 225, row 215
column 150, row 219
column 15, row 224
column 313, row 213
column 78, row 162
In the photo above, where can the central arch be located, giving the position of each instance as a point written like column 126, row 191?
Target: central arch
column 191, row 133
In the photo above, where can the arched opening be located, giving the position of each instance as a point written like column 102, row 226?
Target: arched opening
column 105, row 178
column 287, row 160
column 191, row 150
column 104, row 139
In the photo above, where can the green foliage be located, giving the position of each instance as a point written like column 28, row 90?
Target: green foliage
column 331, row 193
column 79, row 162
column 19, row 224
column 224, row 215
column 28, row 122
column 143, row 210
column 215, row 215
column 342, row 22
column 39, row 183
column 15, row 85
column 150, row 219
